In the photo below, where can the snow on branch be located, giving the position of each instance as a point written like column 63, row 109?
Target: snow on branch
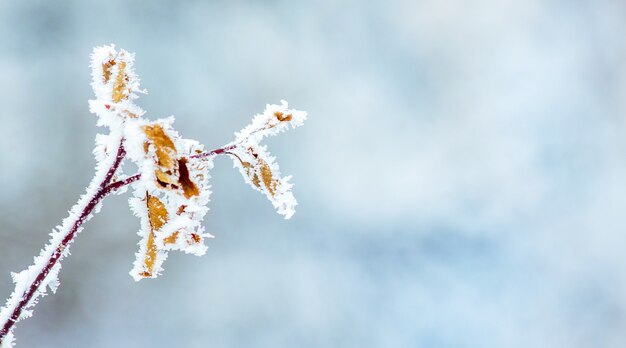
column 170, row 192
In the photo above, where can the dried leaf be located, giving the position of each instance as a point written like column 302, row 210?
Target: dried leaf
column 256, row 181
column 171, row 239
column 106, row 70
column 196, row 238
column 165, row 149
column 281, row 118
column 266, row 175
column 165, row 179
column 150, row 259
column 189, row 187
column 120, row 84
column 157, row 214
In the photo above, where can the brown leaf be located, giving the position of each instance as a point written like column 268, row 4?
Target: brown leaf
column 256, row 181
column 171, row 239
column 281, row 118
column 165, row 179
column 157, row 215
column 189, row 187
column 106, row 70
column 165, row 149
column 196, row 238
column 266, row 175
column 150, row 259
column 120, row 84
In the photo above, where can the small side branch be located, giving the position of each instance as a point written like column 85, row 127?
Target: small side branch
column 118, row 184
column 219, row 151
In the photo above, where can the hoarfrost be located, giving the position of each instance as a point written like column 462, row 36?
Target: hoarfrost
column 170, row 192
column 258, row 168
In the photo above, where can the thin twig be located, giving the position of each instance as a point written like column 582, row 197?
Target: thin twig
column 219, row 151
column 116, row 185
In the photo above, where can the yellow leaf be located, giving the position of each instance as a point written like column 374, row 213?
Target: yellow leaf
column 266, row 175
column 106, row 70
column 281, row 118
column 165, row 149
column 120, row 83
column 157, row 215
column 189, row 187
column 171, row 239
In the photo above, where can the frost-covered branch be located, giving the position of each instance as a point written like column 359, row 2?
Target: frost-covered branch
column 31, row 283
column 170, row 192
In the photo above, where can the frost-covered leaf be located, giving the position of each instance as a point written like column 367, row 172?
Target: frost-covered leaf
column 157, row 216
column 115, row 85
column 261, row 171
column 177, row 183
column 258, row 168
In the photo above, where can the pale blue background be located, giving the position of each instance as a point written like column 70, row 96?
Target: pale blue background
column 461, row 178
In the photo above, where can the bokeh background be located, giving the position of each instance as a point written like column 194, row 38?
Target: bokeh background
column 461, row 177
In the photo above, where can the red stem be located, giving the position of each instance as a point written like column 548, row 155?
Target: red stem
column 103, row 190
column 114, row 186
column 219, row 151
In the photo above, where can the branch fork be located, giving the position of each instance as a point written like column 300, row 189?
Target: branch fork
column 169, row 193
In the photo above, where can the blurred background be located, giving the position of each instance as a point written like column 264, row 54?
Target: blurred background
column 461, row 177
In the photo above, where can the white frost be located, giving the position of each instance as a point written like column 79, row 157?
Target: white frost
column 258, row 168
column 183, row 229
column 24, row 278
column 181, row 187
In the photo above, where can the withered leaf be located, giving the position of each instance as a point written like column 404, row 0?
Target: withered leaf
column 157, row 215
column 106, row 70
column 165, row 148
column 189, row 187
column 156, row 212
column 281, row 118
column 171, row 239
column 256, row 181
column 165, row 179
column 266, row 175
column 150, row 259
column 196, row 238
column 120, row 84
